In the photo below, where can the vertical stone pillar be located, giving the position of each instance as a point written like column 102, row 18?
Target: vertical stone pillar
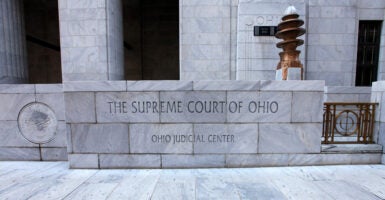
column 378, row 96
column 91, row 37
column 13, row 56
column 205, row 43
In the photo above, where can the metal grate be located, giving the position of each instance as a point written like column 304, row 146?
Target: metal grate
column 348, row 122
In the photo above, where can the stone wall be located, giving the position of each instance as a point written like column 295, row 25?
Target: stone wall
column 347, row 94
column 17, row 145
column 165, row 124
column 258, row 56
column 205, row 39
column 91, row 40
column 378, row 95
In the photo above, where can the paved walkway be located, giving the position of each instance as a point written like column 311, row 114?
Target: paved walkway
column 53, row 180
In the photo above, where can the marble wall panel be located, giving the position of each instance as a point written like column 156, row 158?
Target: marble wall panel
column 257, row 160
column 55, row 101
column 290, row 138
column 129, row 161
column 80, row 107
column 127, row 107
column 83, row 161
column 259, row 106
column 11, row 136
column 229, row 138
column 160, row 138
column 60, row 139
column 193, row 161
column 307, row 107
column 19, row 154
column 54, row 154
column 13, row 103
column 194, row 106
column 100, row 138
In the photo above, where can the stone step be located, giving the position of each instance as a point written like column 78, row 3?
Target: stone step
column 351, row 148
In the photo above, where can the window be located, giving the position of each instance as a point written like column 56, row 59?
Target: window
column 368, row 52
column 151, row 39
column 43, row 41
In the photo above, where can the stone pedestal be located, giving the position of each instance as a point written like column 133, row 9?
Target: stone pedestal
column 292, row 74
column 13, row 56
column 91, row 37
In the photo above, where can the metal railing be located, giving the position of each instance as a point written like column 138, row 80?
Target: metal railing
column 348, row 123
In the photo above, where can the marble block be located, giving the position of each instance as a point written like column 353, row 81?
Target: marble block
column 12, row 104
column 18, row 154
column 194, row 106
column 60, row 138
column 193, row 161
column 127, row 107
column 83, row 161
column 55, row 101
column 257, row 160
column 228, row 138
column 290, row 138
column 129, row 161
column 307, row 107
column 10, row 136
column 100, row 138
column 256, row 107
column 80, row 107
column 160, row 138
column 54, row 154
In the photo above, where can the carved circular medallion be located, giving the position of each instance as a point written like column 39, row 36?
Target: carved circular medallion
column 37, row 123
column 346, row 123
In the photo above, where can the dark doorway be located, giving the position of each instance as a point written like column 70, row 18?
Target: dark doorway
column 43, row 41
column 151, row 39
column 367, row 52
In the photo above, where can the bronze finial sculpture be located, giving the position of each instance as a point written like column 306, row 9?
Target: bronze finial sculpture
column 290, row 67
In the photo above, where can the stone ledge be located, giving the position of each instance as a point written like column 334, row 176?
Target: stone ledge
column 311, row 86
column 17, row 88
column 227, row 85
column 351, row 148
column 49, row 88
column 94, row 86
column 114, row 161
column 159, row 86
column 270, row 160
column 347, row 90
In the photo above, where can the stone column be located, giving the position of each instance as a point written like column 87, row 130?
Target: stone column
column 13, row 56
column 378, row 96
column 91, row 37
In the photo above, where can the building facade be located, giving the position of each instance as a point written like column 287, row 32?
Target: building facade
column 50, row 51
column 70, row 40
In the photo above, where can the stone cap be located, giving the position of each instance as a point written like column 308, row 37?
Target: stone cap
column 175, row 85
